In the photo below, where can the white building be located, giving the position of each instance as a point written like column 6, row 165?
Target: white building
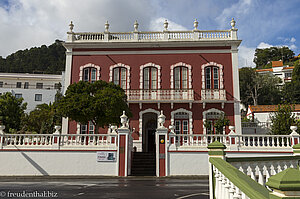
column 261, row 116
column 279, row 70
column 33, row 88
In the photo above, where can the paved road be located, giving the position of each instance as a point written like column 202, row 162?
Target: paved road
column 112, row 188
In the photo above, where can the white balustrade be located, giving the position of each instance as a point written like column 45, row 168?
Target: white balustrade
column 152, row 36
column 241, row 142
column 159, row 95
column 213, row 94
column 262, row 170
column 65, row 141
column 224, row 188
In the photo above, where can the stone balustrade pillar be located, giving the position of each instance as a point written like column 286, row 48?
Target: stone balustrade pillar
column 2, row 134
column 71, row 36
column 123, row 145
column 294, row 135
column 216, row 150
column 56, row 137
column 161, row 147
column 285, row 184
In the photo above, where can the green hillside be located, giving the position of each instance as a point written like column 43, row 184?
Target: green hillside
column 44, row 59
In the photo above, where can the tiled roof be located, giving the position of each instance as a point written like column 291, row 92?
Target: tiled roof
column 268, row 108
column 289, row 67
column 277, row 63
column 263, row 70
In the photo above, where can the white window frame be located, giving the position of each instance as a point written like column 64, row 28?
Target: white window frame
column 38, row 99
column 89, row 65
column 111, row 69
column 150, row 64
column 190, row 118
column 221, row 79
column 189, row 83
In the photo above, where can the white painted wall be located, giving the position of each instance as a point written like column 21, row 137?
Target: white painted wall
column 9, row 81
column 188, row 163
column 56, row 163
column 29, row 96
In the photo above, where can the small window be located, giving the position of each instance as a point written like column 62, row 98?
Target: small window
column 87, row 129
column 26, row 85
column 19, row 85
column 38, row 97
column 89, row 74
column 39, row 85
column 18, row 95
column 1, row 84
column 57, row 86
column 288, row 75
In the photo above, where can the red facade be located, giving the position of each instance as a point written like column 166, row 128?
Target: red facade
column 190, row 81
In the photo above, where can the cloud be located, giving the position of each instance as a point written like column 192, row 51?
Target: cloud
column 293, row 40
column 158, row 25
column 263, row 45
column 28, row 23
column 242, row 7
column 246, row 56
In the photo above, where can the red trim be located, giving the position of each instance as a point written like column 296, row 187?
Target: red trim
column 51, row 150
column 122, row 145
column 258, row 152
column 233, row 151
column 150, row 48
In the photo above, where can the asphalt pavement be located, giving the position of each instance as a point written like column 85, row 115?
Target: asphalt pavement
column 112, row 188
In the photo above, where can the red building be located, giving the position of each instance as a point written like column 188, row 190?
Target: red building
column 191, row 75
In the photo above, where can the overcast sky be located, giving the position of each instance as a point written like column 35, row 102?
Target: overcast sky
column 261, row 23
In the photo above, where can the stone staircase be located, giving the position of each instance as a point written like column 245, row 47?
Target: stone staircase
column 143, row 164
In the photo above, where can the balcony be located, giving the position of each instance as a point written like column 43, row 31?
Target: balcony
column 161, row 95
column 211, row 95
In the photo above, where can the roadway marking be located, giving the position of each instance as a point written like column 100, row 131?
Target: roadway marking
column 191, row 195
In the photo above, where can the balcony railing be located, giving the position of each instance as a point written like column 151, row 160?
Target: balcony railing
column 213, row 94
column 153, row 36
column 44, row 87
column 136, row 95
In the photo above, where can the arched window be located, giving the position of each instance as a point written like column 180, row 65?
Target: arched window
column 120, row 77
column 181, row 77
column 119, row 74
column 89, row 73
column 181, row 122
column 87, row 128
column 182, row 119
column 212, row 77
column 209, row 119
column 150, row 78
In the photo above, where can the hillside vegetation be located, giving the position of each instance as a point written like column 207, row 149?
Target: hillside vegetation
column 44, row 59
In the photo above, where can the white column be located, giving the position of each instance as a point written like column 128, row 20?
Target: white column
column 67, row 79
column 236, row 89
column 2, row 134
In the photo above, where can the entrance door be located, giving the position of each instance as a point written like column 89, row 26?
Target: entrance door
column 151, row 140
column 149, row 129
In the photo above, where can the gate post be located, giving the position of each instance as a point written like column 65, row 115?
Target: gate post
column 123, row 141
column 2, row 134
column 161, row 147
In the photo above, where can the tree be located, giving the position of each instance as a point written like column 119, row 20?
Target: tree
column 258, row 88
column 291, row 90
column 44, row 59
column 264, row 56
column 100, row 102
column 42, row 119
column 282, row 120
column 221, row 123
column 11, row 111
